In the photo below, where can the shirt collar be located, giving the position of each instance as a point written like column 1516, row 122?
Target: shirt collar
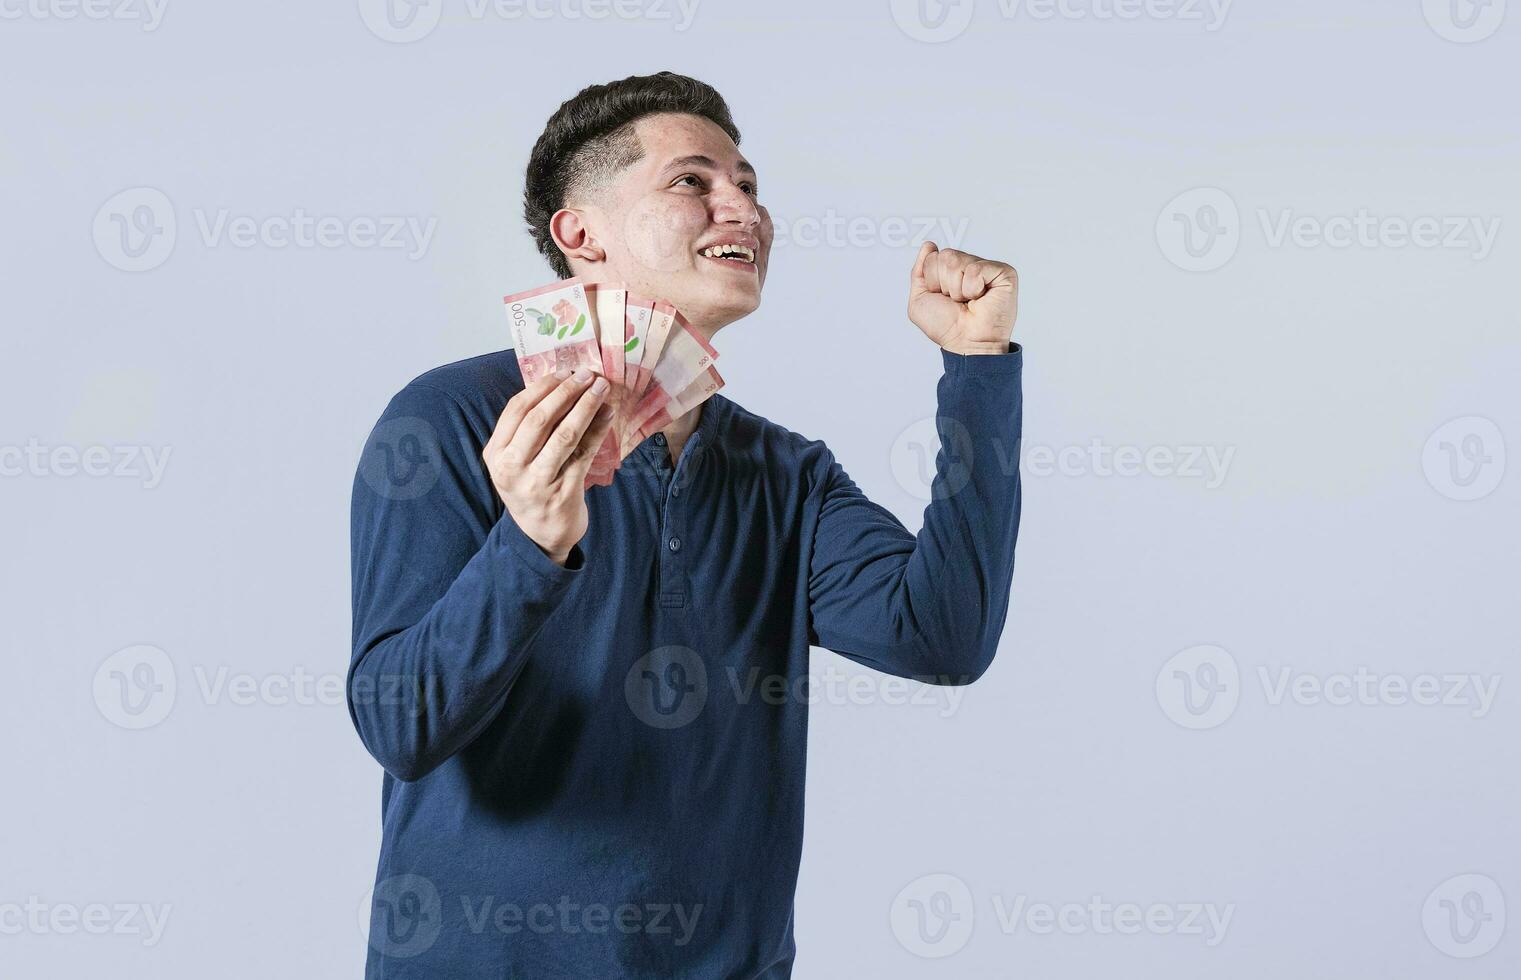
column 703, row 438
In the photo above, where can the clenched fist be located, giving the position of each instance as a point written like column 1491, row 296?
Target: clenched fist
column 540, row 451
column 963, row 303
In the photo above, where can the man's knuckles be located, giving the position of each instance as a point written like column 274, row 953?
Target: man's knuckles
column 951, row 260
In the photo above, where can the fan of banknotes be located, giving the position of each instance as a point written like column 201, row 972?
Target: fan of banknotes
column 659, row 366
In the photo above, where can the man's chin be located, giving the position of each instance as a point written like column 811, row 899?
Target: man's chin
column 716, row 308
column 736, row 308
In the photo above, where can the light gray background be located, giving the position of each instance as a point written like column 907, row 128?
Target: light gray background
column 1333, row 542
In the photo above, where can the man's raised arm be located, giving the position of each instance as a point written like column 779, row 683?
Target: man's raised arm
column 933, row 606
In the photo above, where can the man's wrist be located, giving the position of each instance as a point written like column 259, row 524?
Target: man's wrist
column 572, row 559
column 991, row 347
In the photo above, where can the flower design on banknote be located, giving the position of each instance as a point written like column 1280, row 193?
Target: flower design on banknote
column 565, row 312
column 546, row 323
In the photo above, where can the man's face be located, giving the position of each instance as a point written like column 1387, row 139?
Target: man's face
column 659, row 220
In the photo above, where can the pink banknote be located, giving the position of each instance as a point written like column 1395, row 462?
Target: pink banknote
column 552, row 328
column 698, row 391
column 658, row 365
column 662, row 319
column 607, row 303
column 637, row 317
column 684, row 363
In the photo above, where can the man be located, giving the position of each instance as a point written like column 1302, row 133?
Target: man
column 588, row 773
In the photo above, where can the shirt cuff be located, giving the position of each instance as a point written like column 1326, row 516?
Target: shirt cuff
column 983, row 365
column 511, row 537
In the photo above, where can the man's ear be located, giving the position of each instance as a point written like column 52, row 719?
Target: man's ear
column 573, row 235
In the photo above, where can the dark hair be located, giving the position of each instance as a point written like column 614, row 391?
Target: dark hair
column 591, row 137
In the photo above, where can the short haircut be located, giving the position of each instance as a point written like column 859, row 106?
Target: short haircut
column 591, row 138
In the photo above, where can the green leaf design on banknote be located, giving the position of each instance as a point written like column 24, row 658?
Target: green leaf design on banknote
column 633, row 342
column 561, row 334
column 546, row 322
column 580, row 322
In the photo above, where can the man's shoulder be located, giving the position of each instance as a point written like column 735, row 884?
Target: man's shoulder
column 476, row 387
column 495, row 375
column 750, row 434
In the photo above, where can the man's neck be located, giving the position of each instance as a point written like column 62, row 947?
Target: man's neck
column 679, row 431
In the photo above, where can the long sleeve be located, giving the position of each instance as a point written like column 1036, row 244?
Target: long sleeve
column 448, row 592
column 930, row 607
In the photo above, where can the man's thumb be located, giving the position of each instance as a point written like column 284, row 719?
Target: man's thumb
column 916, row 278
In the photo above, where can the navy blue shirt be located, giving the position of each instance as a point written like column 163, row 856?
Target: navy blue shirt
column 597, row 770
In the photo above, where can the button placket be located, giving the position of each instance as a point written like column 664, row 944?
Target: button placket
column 673, row 592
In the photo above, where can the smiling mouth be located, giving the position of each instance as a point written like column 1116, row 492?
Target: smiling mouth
column 736, row 255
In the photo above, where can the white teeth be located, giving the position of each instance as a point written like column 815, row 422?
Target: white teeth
column 719, row 251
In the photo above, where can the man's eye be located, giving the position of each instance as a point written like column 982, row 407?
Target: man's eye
column 750, row 189
column 696, row 181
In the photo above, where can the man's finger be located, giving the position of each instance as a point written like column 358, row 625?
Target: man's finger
column 574, row 473
column 1000, row 274
column 540, row 421
column 974, row 281
column 917, row 279
column 562, row 443
column 954, row 281
column 518, row 406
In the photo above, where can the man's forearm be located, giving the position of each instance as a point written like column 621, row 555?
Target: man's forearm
column 449, row 595
column 931, row 605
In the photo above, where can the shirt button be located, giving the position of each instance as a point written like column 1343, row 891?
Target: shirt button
column 674, row 544
column 659, row 438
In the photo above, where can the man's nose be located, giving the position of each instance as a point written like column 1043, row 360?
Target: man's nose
column 731, row 205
